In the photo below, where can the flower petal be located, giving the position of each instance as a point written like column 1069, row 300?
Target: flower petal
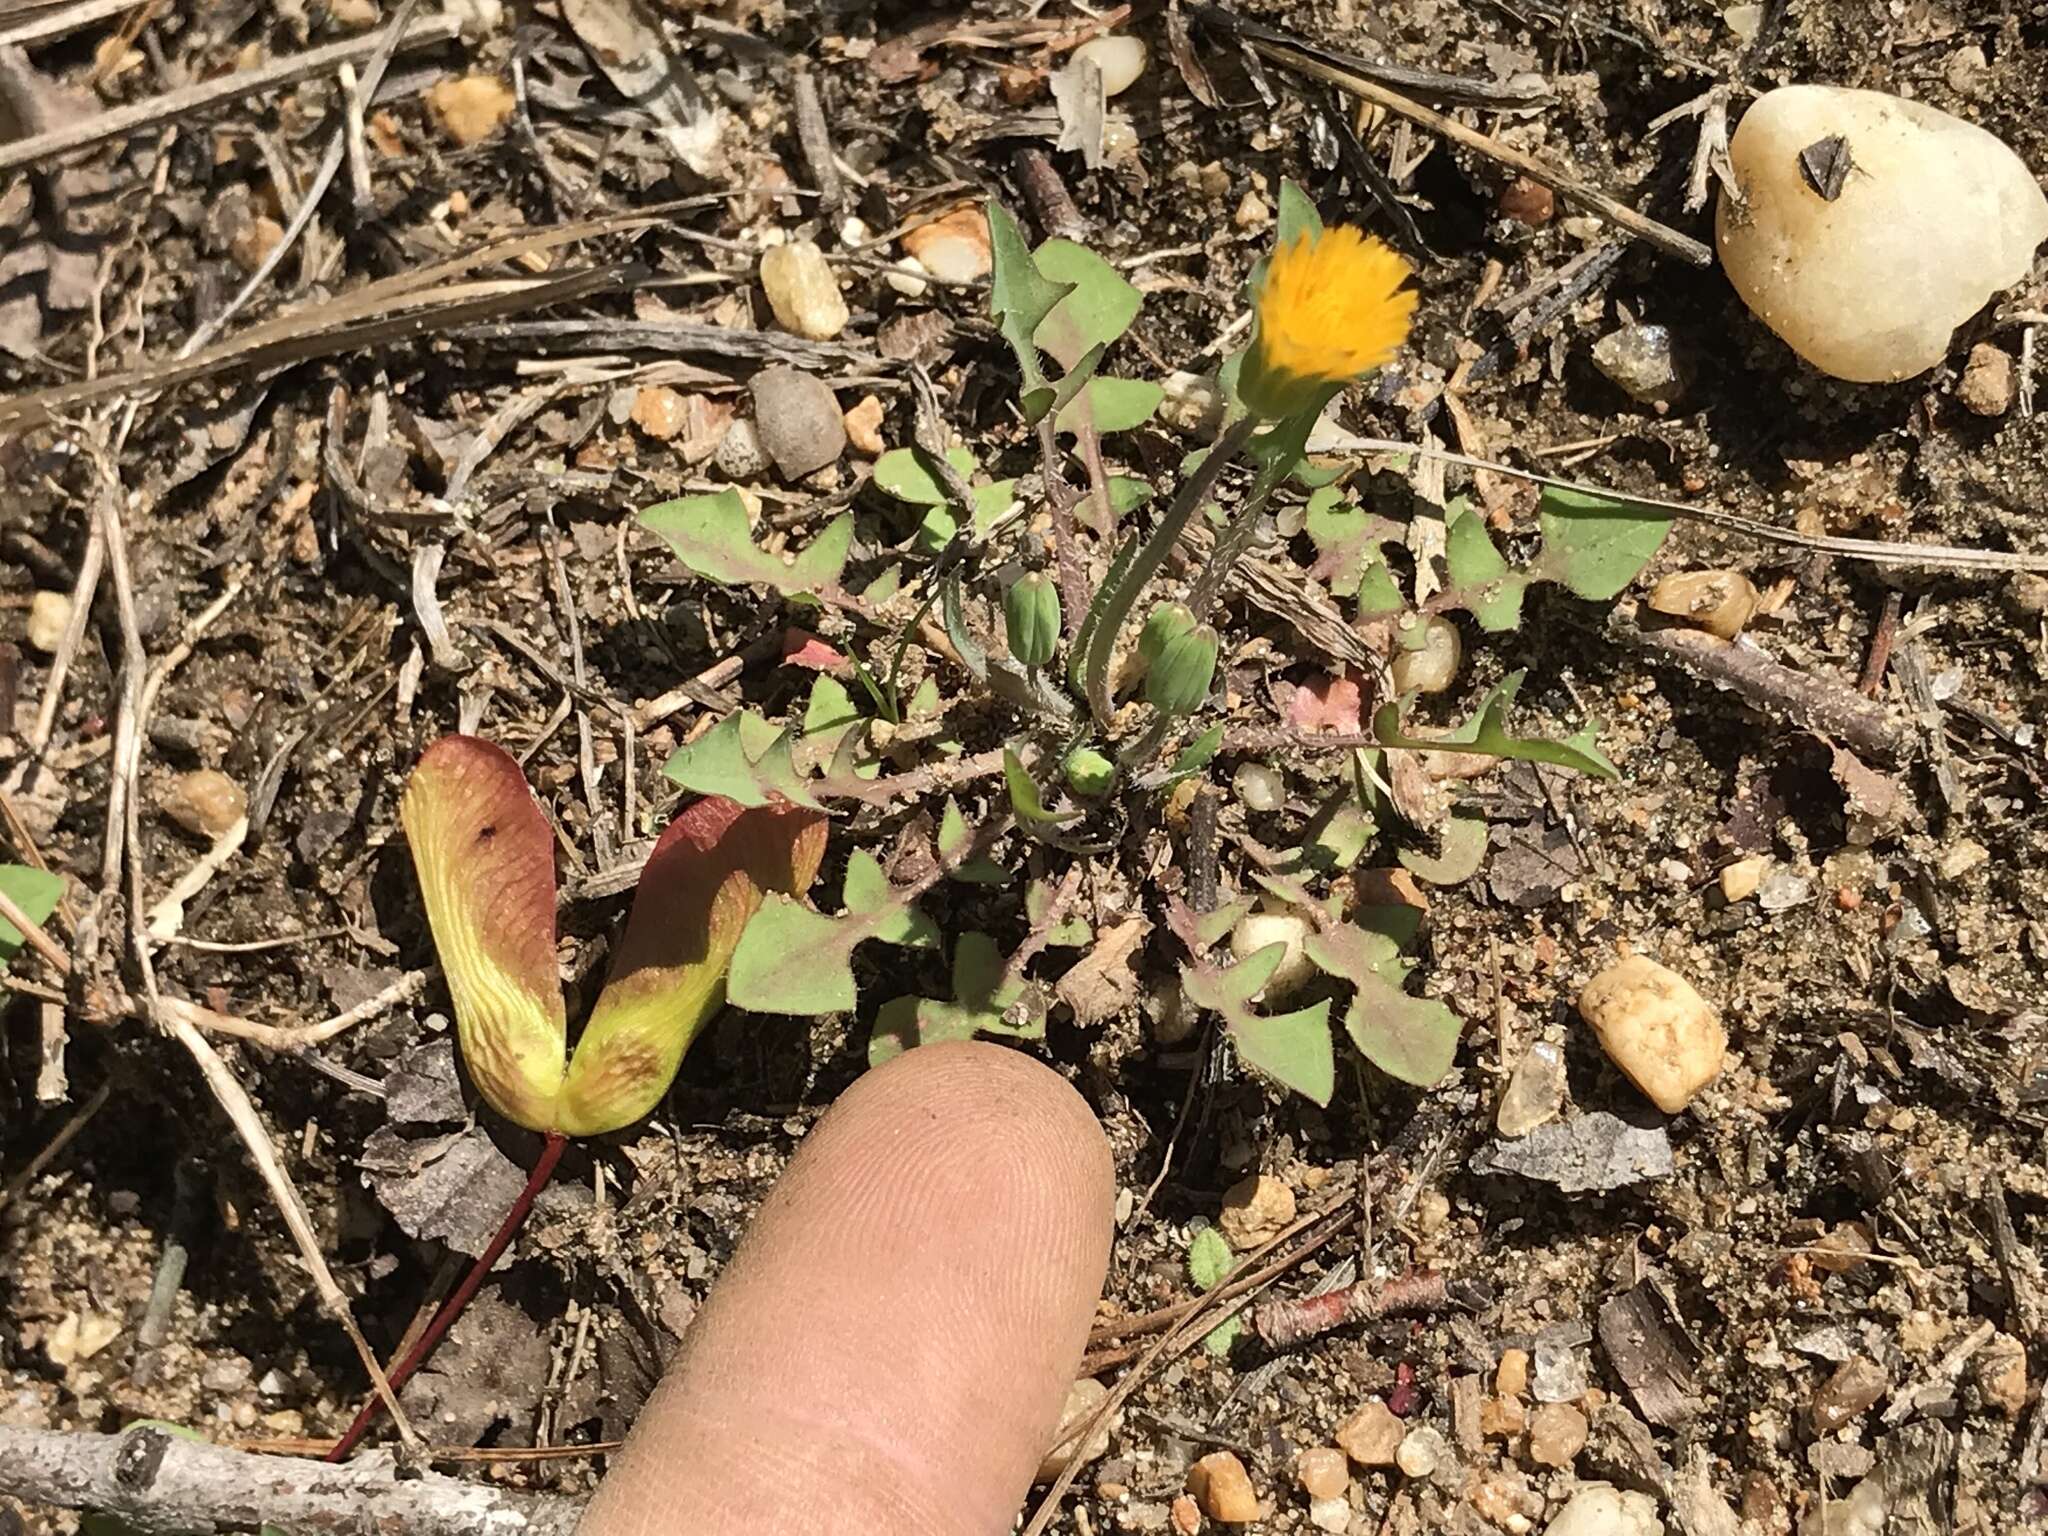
column 485, row 858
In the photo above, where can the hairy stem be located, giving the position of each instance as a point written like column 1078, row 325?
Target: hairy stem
column 459, row 1298
column 1117, row 604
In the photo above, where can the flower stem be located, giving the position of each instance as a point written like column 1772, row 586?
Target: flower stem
column 459, row 1298
column 1115, row 604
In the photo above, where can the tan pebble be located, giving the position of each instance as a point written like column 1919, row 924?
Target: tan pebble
column 1739, row 881
column 1323, row 1472
column 1987, row 383
column 1213, row 180
column 1512, row 1378
column 252, row 244
column 1963, row 857
column 1656, row 1028
column 1557, row 1433
column 354, row 15
column 205, row 802
column 660, row 412
column 1427, row 663
column 2029, row 593
column 1528, row 202
column 1186, row 1516
column 954, row 249
column 1083, row 1398
column 864, row 427
column 48, row 615
column 2001, row 1372
column 1505, row 1500
column 1019, row 83
column 1371, row 1437
column 1255, row 1208
column 1252, row 212
column 1224, row 1489
column 1720, row 602
column 802, row 291
column 470, row 108
column 1502, row 1417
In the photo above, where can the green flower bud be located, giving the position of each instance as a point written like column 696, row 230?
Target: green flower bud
column 1167, row 622
column 1178, row 681
column 1089, row 772
column 1031, row 618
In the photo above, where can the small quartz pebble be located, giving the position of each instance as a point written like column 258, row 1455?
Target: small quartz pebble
column 1783, row 890
column 1557, row 1433
column 1224, row 1489
column 1599, row 1510
column 1720, row 602
column 48, row 614
column 1421, row 1452
column 1869, row 227
column 1535, row 1091
column 802, row 291
column 1333, row 1515
column 470, row 108
column 954, row 249
column 1083, row 1398
column 1987, row 383
column 1323, row 1472
column 1121, row 59
column 1372, row 1436
column 1656, row 1028
column 1638, row 358
column 205, row 802
column 798, row 420
column 2001, row 1374
column 1259, row 786
column 1255, row 1208
column 908, row 276
column 864, row 427
column 1858, row 1382
column 1739, row 881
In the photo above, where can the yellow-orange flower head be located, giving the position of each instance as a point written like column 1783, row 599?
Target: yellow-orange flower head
column 1330, row 309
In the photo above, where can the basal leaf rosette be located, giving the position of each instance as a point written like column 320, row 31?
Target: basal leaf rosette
column 484, row 854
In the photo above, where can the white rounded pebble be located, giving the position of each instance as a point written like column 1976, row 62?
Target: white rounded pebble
column 1120, row 58
column 1600, row 1510
column 1870, row 227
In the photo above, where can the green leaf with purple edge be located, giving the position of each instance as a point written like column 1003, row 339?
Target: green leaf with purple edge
column 1293, row 1049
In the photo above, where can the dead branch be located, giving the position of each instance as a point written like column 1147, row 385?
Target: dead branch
column 164, row 1485
column 1823, row 705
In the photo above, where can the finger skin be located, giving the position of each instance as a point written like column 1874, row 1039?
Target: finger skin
column 889, row 1349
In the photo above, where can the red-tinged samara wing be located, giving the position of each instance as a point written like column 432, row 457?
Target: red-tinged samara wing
column 485, row 858
column 703, row 881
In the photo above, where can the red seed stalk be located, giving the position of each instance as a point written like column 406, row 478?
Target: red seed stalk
column 459, row 1298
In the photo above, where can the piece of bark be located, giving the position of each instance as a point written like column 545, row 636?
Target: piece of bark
column 1650, row 1355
